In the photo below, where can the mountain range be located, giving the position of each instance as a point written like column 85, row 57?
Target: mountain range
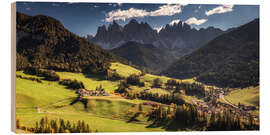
column 179, row 38
column 229, row 60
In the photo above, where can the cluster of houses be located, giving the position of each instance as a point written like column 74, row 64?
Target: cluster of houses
column 208, row 107
column 144, row 91
column 153, row 104
column 205, row 106
column 247, row 108
column 85, row 92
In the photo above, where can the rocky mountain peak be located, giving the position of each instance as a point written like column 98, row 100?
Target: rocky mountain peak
column 101, row 29
column 176, row 36
column 115, row 27
column 133, row 21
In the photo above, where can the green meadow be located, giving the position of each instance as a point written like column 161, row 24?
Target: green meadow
column 31, row 94
column 112, row 113
column 247, row 96
column 124, row 70
column 90, row 81
column 104, row 114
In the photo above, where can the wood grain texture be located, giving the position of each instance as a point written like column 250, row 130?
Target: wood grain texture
column 13, row 67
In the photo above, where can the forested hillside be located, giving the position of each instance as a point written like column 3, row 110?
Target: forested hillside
column 230, row 60
column 145, row 55
column 43, row 42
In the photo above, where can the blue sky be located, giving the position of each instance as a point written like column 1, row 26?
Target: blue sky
column 84, row 18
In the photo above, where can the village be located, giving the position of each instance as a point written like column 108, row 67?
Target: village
column 218, row 107
column 202, row 105
column 85, row 92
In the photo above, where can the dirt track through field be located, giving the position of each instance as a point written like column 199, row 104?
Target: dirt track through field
column 221, row 96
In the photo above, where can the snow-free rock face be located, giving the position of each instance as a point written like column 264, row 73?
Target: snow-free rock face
column 181, row 35
column 176, row 36
column 115, row 35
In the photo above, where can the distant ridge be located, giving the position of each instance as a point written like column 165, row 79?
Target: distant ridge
column 230, row 60
column 144, row 55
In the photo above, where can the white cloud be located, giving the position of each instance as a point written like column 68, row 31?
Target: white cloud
column 125, row 14
column 158, row 29
column 119, row 4
column 220, row 9
column 174, row 22
column 195, row 21
column 165, row 10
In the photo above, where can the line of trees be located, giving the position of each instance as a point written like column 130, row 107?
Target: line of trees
column 49, row 75
column 193, row 89
column 72, row 84
column 184, row 115
column 157, row 83
column 161, row 98
column 57, row 126
column 29, row 78
column 112, row 75
column 133, row 79
column 230, row 121
column 187, row 115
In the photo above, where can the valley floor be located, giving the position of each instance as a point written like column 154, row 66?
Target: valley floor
column 53, row 101
column 112, row 113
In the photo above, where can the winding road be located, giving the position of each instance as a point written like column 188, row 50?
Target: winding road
column 221, row 96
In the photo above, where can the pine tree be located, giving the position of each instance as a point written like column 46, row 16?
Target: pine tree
column 18, row 124
column 36, row 128
column 83, row 128
column 88, row 128
column 140, row 108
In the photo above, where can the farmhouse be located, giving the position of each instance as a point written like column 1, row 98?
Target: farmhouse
column 85, row 92
column 150, row 103
column 247, row 108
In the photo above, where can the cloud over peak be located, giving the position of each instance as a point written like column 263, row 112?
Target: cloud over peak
column 165, row 10
column 125, row 14
column 220, row 10
column 174, row 22
column 195, row 21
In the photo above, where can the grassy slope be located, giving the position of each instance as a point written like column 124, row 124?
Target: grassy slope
column 247, row 96
column 150, row 78
column 124, row 70
column 54, row 101
column 90, row 81
column 32, row 94
column 101, row 124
